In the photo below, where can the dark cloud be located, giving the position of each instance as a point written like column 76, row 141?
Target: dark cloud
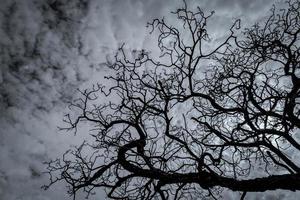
column 50, row 48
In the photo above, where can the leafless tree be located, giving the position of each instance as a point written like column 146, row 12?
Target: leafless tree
column 204, row 118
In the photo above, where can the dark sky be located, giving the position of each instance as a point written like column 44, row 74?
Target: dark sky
column 50, row 48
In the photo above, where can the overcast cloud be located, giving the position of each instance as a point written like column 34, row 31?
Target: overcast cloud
column 50, row 48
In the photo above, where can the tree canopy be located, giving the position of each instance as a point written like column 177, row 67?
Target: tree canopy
column 202, row 118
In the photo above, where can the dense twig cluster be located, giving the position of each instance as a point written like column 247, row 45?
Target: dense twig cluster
column 172, row 131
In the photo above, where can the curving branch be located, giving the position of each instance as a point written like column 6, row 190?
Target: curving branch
column 170, row 131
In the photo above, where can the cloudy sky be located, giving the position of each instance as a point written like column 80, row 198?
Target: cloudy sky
column 50, row 48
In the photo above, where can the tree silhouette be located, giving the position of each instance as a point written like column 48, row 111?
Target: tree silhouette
column 204, row 118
